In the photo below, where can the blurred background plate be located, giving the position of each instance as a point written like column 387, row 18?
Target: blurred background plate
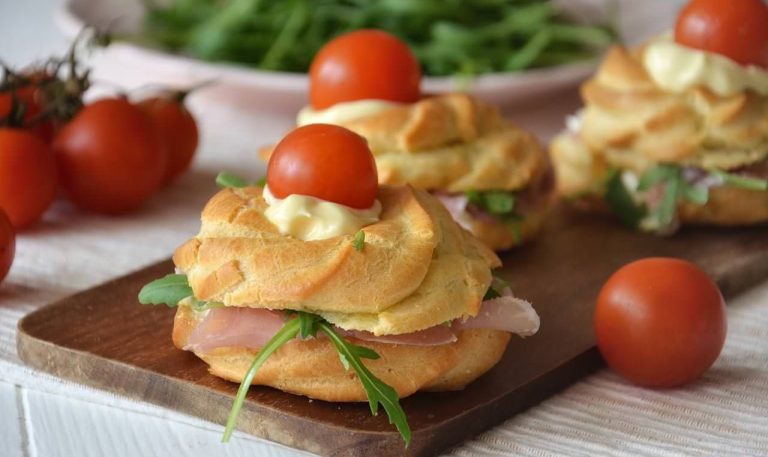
column 248, row 89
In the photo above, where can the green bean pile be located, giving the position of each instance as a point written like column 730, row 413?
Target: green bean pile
column 449, row 37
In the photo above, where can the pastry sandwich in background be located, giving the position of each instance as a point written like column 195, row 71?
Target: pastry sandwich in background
column 492, row 176
column 675, row 131
column 324, row 284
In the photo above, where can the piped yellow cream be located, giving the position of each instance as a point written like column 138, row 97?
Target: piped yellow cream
column 309, row 218
column 677, row 68
column 341, row 112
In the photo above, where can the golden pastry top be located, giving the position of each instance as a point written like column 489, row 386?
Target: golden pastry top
column 632, row 123
column 451, row 142
column 417, row 269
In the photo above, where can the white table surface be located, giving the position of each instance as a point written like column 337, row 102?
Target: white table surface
column 725, row 413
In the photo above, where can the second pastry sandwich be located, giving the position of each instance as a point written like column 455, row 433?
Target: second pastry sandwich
column 493, row 176
column 670, row 135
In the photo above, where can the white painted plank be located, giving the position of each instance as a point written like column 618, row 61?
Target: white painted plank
column 64, row 427
column 11, row 420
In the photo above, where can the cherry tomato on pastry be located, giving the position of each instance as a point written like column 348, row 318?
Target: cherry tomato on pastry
column 7, row 245
column 177, row 130
column 110, row 157
column 324, row 161
column 27, row 176
column 364, row 64
column 660, row 322
column 737, row 29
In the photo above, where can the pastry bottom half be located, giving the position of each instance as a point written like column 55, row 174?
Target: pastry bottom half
column 578, row 181
column 312, row 367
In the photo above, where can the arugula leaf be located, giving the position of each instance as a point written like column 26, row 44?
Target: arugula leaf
column 307, row 324
column 359, row 241
column 304, row 325
column 676, row 188
column 378, row 392
column 620, row 200
column 695, row 194
column 199, row 305
column 284, row 335
column 499, row 202
column 496, row 288
column 656, row 175
column 169, row 290
column 665, row 213
column 225, row 179
column 499, row 284
column 474, row 196
column 491, row 293
column 495, row 202
column 741, row 181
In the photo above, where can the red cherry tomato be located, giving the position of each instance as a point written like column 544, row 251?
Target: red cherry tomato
column 364, row 64
column 110, row 157
column 324, row 161
column 7, row 245
column 737, row 29
column 177, row 129
column 660, row 322
column 27, row 176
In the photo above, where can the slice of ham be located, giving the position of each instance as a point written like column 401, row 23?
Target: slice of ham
column 456, row 204
column 433, row 336
column 506, row 313
column 253, row 327
column 234, row 327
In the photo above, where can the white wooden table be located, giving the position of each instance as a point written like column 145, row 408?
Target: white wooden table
column 725, row 413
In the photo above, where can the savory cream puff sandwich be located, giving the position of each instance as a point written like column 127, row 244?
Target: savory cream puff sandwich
column 322, row 270
column 493, row 177
column 676, row 131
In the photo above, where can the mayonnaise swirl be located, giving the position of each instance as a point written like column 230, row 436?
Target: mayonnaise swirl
column 309, row 218
column 341, row 112
column 677, row 68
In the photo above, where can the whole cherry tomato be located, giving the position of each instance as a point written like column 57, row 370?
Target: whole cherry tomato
column 364, row 64
column 660, row 322
column 324, row 161
column 7, row 245
column 27, row 176
column 110, row 157
column 177, row 129
column 737, row 29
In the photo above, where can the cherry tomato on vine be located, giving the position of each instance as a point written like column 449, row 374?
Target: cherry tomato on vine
column 660, row 322
column 27, row 176
column 324, row 161
column 364, row 64
column 30, row 96
column 110, row 157
column 177, row 129
column 737, row 29
column 7, row 245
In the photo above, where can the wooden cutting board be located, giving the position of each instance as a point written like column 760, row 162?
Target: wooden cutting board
column 103, row 338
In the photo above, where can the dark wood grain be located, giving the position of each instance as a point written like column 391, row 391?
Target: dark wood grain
column 102, row 337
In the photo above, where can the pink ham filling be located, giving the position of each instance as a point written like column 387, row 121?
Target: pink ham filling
column 252, row 327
